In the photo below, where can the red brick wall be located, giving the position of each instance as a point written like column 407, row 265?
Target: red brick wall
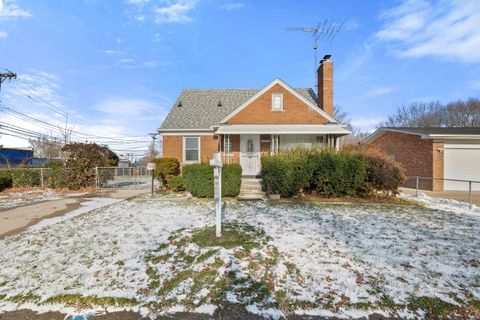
column 173, row 147
column 295, row 111
column 418, row 157
column 325, row 86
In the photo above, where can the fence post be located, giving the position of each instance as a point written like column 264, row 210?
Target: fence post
column 41, row 177
column 96, row 177
column 470, row 194
column 417, row 178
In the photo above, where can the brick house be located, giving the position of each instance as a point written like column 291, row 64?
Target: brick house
column 439, row 153
column 244, row 124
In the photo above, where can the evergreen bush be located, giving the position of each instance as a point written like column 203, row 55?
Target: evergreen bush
column 198, row 180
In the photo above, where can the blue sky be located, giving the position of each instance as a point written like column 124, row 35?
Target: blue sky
column 116, row 66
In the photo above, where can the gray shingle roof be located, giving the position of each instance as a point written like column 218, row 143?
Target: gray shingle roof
column 200, row 108
column 435, row 130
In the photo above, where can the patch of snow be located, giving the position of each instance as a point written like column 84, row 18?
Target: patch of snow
column 335, row 253
column 206, row 308
column 22, row 198
column 87, row 206
column 270, row 313
column 449, row 205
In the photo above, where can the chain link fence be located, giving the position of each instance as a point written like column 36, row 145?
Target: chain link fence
column 101, row 177
column 467, row 191
column 112, row 177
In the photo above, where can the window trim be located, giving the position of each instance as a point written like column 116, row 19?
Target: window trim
column 184, row 149
column 281, row 101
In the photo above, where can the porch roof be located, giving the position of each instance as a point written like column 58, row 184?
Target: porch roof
column 282, row 129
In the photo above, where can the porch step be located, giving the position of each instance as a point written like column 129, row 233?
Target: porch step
column 251, row 189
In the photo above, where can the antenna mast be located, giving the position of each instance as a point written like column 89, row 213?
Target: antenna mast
column 325, row 32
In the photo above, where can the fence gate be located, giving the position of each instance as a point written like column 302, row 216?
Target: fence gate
column 113, row 177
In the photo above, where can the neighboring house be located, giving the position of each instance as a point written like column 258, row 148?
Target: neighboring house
column 244, row 124
column 440, row 153
column 15, row 156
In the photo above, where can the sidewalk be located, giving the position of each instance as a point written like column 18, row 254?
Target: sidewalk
column 17, row 219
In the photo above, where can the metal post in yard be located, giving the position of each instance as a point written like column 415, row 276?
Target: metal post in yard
column 41, row 177
column 470, row 194
column 96, row 178
column 216, row 163
column 416, row 185
column 151, row 168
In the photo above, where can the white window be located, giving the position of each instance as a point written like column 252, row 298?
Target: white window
column 277, row 102
column 191, row 149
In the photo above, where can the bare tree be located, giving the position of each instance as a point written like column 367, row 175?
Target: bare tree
column 434, row 114
column 357, row 134
column 45, row 147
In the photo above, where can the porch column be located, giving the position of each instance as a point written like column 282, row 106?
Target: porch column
column 337, row 143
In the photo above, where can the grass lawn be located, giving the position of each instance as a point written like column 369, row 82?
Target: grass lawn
column 274, row 259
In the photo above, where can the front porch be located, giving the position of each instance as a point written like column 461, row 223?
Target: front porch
column 246, row 144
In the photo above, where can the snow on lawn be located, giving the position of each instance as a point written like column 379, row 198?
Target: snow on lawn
column 449, row 205
column 342, row 260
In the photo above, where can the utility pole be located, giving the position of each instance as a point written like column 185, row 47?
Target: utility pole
column 7, row 75
column 154, row 137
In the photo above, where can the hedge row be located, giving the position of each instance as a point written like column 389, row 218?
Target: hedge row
column 329, row 173
column 198, row 180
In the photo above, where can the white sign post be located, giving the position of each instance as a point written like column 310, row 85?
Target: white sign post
column 151, row 168
column 216, row 163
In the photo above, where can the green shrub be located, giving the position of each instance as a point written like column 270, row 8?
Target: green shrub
column 175, row 183
column 55, row 175
column 327, row 172
column 198, row 180
column 25, row 178
column 231, row 180
column 339, row 174
column 165, row 168
column 5, row 179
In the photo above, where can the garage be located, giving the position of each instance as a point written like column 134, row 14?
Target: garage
column 461, row 161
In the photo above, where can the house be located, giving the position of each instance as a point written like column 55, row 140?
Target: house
column 15, row 156
column 438, row 153
column 244, row 124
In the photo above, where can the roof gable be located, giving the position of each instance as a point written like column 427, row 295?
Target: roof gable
column 275, row 82
column 200, row 110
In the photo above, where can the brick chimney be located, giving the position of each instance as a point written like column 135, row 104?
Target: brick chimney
column 325, row 85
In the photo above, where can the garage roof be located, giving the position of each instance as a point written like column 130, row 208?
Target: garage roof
column 432, row 133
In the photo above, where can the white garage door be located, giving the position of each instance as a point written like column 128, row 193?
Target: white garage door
column 461, row 161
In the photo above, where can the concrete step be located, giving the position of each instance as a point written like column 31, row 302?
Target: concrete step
column 251, row 189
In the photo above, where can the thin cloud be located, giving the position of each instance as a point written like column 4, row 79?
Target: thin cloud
column 175, row 13
column 10, row 10
column 233, row 6
column 475, row 85
column 161, row 11
column 366, row 124
column 379, row 91
column 3, row 34
column 444, row 29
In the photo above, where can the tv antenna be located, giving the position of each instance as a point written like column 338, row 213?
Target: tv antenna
column 323, row 32
column 6, row 75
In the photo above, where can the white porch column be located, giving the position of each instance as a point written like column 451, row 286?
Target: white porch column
column 337, row 143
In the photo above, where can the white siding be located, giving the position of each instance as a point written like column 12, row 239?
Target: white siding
column 461, row 161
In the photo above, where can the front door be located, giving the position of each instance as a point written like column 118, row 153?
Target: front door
column 250, row 154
